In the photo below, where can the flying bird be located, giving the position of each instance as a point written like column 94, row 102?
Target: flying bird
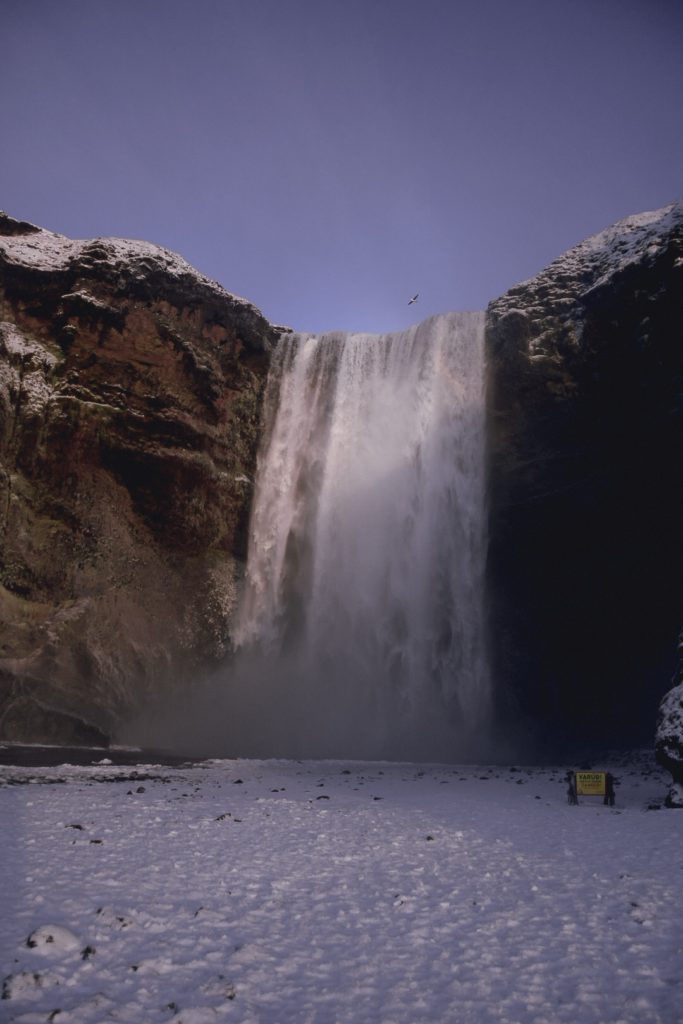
column 414, row 299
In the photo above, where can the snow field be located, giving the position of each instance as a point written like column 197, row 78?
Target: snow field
column 270, row 892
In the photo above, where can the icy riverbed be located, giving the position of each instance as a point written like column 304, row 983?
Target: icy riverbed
column 277, row 892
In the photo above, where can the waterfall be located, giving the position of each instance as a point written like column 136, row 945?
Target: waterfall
column 361, row 627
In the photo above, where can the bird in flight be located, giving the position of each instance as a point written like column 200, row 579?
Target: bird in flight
column 414, row 299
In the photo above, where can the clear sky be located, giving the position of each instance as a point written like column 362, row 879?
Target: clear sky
column 328, row 158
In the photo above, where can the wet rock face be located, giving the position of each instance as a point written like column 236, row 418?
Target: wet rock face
column 586, row 475
column 130, row 390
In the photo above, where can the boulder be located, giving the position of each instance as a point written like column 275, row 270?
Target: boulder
column 586, row 484
column 130, row 394
column 669, row 735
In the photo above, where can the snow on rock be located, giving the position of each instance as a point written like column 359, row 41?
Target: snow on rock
column 624, row 243
column 669, row 737
column 27, row 986
column 590, row 266
column 669, row 740
column 674, row 797
column 53, row 939
column 31, row 247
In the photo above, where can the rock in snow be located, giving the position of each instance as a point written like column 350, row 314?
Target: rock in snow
column 669, row 739
column 130, row 390
column 53, row 939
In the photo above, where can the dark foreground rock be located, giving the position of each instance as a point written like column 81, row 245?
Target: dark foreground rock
column 669, row 737
column 586, row 477
column 130, row 390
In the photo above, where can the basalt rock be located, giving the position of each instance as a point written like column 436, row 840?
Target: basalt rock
column 130, row 391
column 586, row 483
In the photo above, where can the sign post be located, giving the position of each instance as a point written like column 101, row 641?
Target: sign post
column 591, row 784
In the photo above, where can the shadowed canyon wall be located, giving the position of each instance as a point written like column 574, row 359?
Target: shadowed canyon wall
column 130, row 390
column 130, row 400
column 586, row 484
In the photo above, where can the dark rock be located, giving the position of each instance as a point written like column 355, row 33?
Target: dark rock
column 674, row 798
column 130, row 392
column 586, row 485
column 24, row 716
column 669, row 735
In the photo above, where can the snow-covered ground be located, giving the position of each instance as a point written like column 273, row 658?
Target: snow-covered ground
column 281, row 892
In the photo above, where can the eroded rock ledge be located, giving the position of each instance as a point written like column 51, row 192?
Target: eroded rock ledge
column 130, row 390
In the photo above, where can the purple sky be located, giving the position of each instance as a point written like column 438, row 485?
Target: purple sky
column 328, row 158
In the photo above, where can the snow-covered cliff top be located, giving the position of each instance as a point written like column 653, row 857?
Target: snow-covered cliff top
column 592, row 263
column 26, row 245
column 124, row 267
column 610, row 251
column 626, row 242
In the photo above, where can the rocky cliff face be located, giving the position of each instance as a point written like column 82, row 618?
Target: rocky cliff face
column 130, row 391
column 586, row 476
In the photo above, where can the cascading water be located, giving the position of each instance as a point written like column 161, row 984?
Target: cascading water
column 361, row 627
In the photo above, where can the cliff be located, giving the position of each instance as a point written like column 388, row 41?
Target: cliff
column 130, row 391
column 130, row 399
column 586, row 483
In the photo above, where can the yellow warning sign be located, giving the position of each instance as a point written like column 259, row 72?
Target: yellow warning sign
column 591, row 783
